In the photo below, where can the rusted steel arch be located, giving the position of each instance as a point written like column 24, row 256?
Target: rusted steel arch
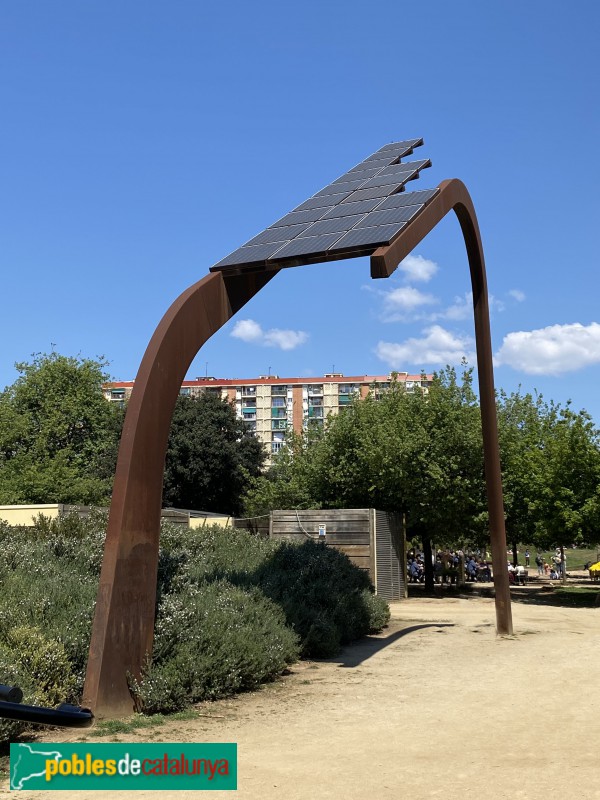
column 453, row 195
column 123, row 624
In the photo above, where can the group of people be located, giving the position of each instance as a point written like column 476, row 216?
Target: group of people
column 552, row 567
column 448, row 566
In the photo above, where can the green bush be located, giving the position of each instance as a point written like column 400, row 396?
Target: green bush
column 211, row 641
column 40, row 667
column 232, row 610
column 325, row 597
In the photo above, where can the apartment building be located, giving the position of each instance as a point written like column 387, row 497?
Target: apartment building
column 272, row 405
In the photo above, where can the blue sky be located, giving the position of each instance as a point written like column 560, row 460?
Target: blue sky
column 143, row 141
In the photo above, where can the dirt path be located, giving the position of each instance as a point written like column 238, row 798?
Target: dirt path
column 437, row 706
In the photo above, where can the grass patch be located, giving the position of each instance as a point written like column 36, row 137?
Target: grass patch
column 110, row 727
column 565, row 596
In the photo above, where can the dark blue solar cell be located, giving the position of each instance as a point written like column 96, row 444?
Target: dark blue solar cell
column 375, row 237
column 295, row 217
column 278, row 234
column 408, row 199
column 346, row 186
column 398, row 179
column 389, row 216
column 344, row 209
column 378, row 164
column 409, row 165
column 256, row 254
column 369, row 194
column 307, row 246
column 340, row 224
column 319, row 201
column 363, row 174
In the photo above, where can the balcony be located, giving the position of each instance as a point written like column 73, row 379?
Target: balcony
column 279, row 424
column 278, row 413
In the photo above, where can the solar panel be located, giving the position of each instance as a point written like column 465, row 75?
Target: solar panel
column 361, row 210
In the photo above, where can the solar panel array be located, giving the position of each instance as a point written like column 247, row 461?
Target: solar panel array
column 354, row 215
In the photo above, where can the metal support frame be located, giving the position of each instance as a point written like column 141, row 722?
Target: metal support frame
column 453, row 196
column 123, row 624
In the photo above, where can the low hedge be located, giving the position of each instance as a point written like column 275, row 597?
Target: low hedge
column 232, row 611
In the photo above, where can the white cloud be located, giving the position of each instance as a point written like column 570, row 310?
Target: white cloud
column 286, row 340
column 401, row 303
column 517, row 295
column 417, row 268
column 437, row 347
column 552, row 350
column 462, row 308
column 250, row 331
column 247, row 330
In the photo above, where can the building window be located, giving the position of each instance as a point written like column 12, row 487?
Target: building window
column 278, row 413
column 248, row 391
column 276, row 447
column 278, row 402
column 278, row 424
column 185, row 391
column 315, row 390
column 278, row 391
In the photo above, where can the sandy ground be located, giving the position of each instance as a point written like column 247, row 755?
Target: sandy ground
column 436, row 706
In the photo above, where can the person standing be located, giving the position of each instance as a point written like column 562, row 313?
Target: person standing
column 526, row 558
column 540, row 564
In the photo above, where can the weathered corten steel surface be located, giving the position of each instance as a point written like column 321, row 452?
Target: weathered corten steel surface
column 122, row 631
column 124, row 618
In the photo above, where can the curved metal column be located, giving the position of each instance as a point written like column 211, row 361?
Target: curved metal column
column 453, row 195
column 123, row 625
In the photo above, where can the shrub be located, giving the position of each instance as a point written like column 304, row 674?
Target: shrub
column 326, row 598
column 211, row 641
column 232, row 610
column 40, row 667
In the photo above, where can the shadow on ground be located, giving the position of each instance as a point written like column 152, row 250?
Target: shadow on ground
column 363, row 649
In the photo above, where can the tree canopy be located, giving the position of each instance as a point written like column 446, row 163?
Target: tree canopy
column 211, row 456
column 58, row 435
column 421, row 455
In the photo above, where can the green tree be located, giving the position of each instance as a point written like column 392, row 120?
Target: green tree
column 550, row 472
column 420, row 455
column 211, row 456
column 58, row 435
column 522, row 424
column 568, row 504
